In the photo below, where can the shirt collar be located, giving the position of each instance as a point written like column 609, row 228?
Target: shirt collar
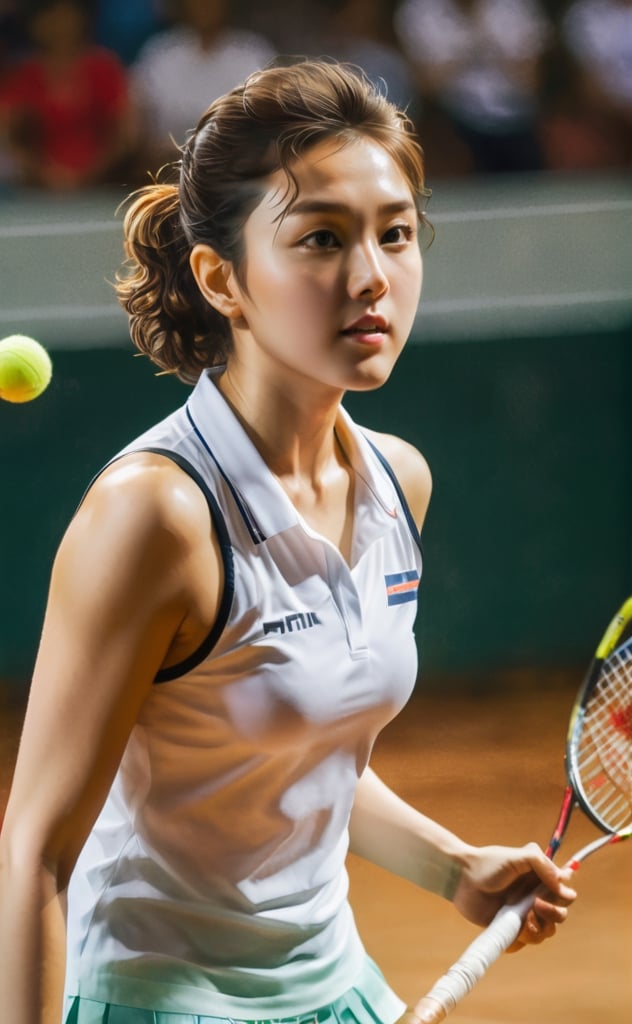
column 260, row 497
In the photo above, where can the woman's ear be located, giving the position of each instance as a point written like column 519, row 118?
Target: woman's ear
column 213, row 275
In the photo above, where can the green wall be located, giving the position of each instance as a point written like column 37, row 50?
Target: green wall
column 527, row 542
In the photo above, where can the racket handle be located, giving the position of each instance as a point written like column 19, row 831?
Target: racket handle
column 487, row 947
column 462, row 976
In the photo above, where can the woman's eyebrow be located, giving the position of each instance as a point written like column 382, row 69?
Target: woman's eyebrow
column 302, row 206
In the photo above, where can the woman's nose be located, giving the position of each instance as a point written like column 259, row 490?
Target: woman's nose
column 366, row 273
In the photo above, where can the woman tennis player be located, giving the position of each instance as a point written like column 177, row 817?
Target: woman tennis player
column 230, row 616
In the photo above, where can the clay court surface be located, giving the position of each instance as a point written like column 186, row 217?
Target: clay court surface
column 489, row 764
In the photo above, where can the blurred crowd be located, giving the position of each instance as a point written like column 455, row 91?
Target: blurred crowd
column 99, row 92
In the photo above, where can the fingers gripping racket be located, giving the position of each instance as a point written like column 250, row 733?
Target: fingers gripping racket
column 599, row 782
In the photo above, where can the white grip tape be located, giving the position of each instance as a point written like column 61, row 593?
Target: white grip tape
column 462, row 976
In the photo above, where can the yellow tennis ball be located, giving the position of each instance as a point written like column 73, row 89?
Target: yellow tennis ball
column 25, row 368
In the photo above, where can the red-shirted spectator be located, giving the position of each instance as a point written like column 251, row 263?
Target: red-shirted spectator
column 64, row 108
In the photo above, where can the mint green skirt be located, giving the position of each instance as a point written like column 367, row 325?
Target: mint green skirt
column 371, row 1001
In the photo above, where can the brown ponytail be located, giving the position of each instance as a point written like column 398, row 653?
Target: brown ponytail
column 169, row 320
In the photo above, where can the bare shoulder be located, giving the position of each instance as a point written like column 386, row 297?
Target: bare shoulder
column 144, row 493
column 410, row 468
column 145, row 529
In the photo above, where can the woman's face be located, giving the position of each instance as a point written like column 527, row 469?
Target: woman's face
column 331, row 288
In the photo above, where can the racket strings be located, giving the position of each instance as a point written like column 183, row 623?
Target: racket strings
column 604, row 752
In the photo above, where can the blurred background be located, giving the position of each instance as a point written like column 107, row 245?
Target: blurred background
column 515, row 381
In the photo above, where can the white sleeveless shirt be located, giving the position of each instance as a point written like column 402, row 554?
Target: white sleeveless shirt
column 214, row 879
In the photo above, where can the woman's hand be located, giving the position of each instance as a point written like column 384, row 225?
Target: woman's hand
column 494, row 875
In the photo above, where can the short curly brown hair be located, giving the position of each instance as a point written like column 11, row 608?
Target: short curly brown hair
column 206, row 197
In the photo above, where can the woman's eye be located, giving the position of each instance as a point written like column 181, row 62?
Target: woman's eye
column 398, row 234
column 321, row 239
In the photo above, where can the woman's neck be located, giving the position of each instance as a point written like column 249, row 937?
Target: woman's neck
column 294, row 433
column 297, row 440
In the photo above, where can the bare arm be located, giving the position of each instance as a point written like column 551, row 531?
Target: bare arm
column 389, row 832
column 478, row 880
column 124, row 599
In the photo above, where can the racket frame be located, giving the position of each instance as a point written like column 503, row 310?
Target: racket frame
column 618, row 630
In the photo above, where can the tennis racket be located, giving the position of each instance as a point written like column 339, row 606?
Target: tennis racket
column 599, row 782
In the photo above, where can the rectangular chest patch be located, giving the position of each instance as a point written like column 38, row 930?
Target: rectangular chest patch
column 402, row 586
